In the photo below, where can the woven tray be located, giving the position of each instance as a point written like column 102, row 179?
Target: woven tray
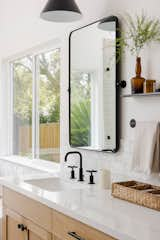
column 139, row 193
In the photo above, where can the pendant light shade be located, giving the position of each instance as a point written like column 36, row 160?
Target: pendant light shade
column 61, row 11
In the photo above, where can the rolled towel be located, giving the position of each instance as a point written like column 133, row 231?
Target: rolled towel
column 146, row 149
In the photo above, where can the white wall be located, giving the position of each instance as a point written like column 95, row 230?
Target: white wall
column 21, row 29
column 140, row 109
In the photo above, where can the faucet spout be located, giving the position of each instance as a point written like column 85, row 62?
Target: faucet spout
column 81, row 177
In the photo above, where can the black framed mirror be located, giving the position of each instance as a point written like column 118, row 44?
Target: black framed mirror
column 94, row 86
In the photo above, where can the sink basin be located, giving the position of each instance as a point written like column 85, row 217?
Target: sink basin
column 55, row 184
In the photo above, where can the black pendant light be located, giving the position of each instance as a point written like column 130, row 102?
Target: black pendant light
column 61, row 11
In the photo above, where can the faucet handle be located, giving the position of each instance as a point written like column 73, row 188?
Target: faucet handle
column 72, row 171
column 91, row 178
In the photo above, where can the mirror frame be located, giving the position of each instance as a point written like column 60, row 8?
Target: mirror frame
column 117, row 86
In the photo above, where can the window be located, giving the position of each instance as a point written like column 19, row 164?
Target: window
column 49, row 105
column 36, row 106
column 22, row 107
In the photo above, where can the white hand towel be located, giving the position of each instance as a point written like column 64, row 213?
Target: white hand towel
column 146, row 150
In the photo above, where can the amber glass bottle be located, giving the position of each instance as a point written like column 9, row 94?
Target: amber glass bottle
column 138, row 81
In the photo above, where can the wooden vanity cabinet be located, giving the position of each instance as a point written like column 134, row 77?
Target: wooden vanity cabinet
column 16, row 227
column 66, row 228
column 35, row 217
column 27, row 219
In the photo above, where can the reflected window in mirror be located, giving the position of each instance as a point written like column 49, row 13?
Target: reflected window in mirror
column 93, row 88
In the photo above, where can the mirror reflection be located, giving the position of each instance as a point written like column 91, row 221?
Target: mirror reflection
column 93, row 86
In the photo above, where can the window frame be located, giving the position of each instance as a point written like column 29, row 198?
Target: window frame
column 8, row 63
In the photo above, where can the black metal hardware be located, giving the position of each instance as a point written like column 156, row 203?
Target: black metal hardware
column 74, row 235
column 22, row 227
column 91, row 178
column 19, row 226
column 81, row 177
column 132, row 123
column 122, row 84
column 107, row 69
column 72, row 171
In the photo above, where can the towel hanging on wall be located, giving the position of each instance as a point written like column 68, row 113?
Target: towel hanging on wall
column 146, row 149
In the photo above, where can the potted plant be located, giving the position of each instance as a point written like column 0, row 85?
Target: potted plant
column 140, row 32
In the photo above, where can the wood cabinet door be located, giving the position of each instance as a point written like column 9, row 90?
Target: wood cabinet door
column 10, row 228
column 11, row 231
column 36, row 232
column 33, row 236
column 36, row 236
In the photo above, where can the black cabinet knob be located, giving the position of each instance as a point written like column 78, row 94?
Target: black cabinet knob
column 19, row 226
column 22, row 227
column 91, row 177
column 72, row 171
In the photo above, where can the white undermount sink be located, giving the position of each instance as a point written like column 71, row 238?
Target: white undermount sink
column 56, row 184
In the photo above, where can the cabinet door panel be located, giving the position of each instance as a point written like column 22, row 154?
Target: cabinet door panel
column 10, row 229
column 28, row 208
column 36, row 232
column 33, row 236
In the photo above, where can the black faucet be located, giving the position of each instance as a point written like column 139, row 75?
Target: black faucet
column 81, row 177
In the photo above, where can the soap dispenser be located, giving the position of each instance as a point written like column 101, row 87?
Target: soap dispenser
column 105, row 179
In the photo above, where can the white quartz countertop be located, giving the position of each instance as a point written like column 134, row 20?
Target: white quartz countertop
column 96, row 208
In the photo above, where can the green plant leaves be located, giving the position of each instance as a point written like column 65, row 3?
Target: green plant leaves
column 141, row 30
column 81, row 124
